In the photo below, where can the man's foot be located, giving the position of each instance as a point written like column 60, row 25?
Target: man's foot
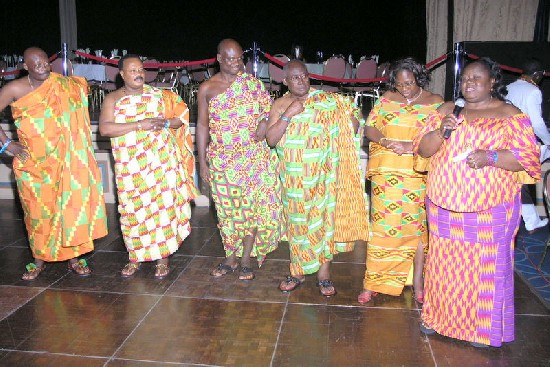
column 246, row 273
column 326, row 287
column 79, row 267
column 290, row 283
column 223, row 269
column 129, row 269
column 366, row 296
column 33, row 271
column 161, row 270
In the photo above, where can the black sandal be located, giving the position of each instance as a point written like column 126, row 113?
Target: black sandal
column 288, row 281
column 223, row 269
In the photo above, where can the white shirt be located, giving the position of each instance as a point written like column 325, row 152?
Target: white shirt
column 528, row 98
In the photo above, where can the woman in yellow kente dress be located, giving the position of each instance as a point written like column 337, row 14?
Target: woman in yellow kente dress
column 398, row 216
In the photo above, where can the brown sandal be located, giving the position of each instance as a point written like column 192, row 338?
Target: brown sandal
column 161, row 271
column 129, row 269
column 33, row 271
column 80, row 268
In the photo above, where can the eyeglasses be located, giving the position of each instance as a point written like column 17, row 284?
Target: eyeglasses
column 135, row 71
column 297, row 78
column 405, row 85
column 231, row 60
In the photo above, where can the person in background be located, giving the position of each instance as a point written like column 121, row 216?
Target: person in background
column 57, row 176
column 235, row 159
column 473, row 206
column 154, row 166
column 398, row 215
column 525, row 94
column 316, row 135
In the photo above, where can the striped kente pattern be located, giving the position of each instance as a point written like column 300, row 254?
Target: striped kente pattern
column 469, row 278
column 60, row 184
column 321, row 179
column 245, row 186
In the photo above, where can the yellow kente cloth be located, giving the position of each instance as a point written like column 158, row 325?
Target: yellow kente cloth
column 154, row 175
column 326, row 207
column 60, row 184
column 398, row 215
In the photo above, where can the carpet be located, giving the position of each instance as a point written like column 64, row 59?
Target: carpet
column 528, row 252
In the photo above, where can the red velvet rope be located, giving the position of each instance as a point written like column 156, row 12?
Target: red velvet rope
column 503, row 67
column 151, row 65
column 17, row 71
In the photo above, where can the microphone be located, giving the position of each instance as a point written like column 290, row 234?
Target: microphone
column 459, row 105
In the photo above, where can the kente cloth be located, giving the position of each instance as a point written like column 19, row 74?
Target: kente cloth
column 398, row 216
column 60, row 184
column 154, row 173
column 398, row 226
column 453, row 185
column 469, row 273
column 326, row 207
column 243, row 179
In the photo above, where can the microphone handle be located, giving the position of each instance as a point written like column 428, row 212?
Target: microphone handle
column 447, row 133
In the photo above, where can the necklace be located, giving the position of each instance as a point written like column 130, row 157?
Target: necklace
column 409, row 101
column 30, row 83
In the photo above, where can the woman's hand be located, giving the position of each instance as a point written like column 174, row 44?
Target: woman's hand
column 398, row 147
column 477, row 159
column 450, row 122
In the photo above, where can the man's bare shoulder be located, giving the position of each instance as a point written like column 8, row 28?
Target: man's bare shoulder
column 114, row 96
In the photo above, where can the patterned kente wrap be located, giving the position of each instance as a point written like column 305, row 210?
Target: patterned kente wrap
column 154, row 173
column 243, row 179
column 326, row 207
column 398, row 215
column 60, row 184
column 473, row 218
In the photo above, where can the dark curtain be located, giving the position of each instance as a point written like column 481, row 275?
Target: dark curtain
column 541, row 24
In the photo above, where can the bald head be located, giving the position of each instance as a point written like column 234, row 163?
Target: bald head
column 294, row 64
column 33, row 52
column 227, row 44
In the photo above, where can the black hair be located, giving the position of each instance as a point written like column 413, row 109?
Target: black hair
column 531, row 66
column 421, row 74
column 499, row 90
column 126, row 57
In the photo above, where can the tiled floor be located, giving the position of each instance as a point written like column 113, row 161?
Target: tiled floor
column 193, row 319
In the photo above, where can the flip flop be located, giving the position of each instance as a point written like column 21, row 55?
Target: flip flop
column 290, row 280
column 324, row 284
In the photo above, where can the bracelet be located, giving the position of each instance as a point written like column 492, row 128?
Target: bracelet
column 167, row 124
column 492, row 157
column 139, row 125
column 285, row 119
column 5, row 146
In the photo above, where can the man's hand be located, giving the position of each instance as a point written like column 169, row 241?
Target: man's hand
column 19, row 151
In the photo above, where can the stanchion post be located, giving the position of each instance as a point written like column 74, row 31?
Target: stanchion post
column 65, row 62
column 256, row 58
column 458, row 53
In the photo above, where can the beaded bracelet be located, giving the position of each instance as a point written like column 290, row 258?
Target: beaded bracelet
column 5, row 146
column 167, row 124
column 492, row 157
column 285, row 119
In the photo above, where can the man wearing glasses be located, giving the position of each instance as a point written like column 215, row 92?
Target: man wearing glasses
column 235, row 159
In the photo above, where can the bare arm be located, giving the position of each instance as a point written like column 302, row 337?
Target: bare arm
column 202, row 136
column 9, row 94
column 280, row 118
column 109, row 128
